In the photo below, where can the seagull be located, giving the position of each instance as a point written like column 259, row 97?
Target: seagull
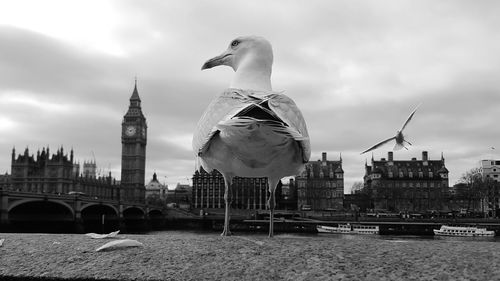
column 249, row 130
column 399, row 137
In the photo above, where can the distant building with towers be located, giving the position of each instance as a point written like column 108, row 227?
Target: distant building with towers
column 56, row 174
column 156, row 192
column 90, row 169
column 407, row 185
column 60, row 174
column 321, row 185
column 134, row 139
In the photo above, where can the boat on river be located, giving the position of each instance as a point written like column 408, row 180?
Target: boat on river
column 349, row 229
column 463, row 231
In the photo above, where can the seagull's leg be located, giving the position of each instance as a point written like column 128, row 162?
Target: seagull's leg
column 271, row 203
column 407, row 142
column 228, row 181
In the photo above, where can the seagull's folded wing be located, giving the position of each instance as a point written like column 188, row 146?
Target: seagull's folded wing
column 221, row 109
column 235, row 102
column 286, row 109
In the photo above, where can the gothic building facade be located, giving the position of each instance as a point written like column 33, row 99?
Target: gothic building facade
column 321, row 185
column 57, row 174
column 407, row 185
column 134, row 139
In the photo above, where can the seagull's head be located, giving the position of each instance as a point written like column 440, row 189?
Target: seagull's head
column 244, row 51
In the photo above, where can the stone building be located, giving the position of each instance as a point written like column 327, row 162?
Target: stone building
column 491, row 169
column 90, row 169
column 208, row 191
column 321, row 185
column 134, row 139
column 286, row 196
column 180, row 195
column 156, row 192
column 4, row 181
column 407, row 185
column 57, row 174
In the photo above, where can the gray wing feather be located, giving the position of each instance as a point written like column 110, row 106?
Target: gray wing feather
column 286, row 109
column 232, row 101
column 221, row 109
column 378, row 145
column 409, row 118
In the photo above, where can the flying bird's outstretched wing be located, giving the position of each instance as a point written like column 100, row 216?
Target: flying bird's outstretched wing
column 378, row 145
column 409, row 118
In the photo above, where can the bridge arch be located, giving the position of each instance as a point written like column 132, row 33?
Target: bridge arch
column 31, row 200
column 134, row 219
column 156, row 219
column 106, row 206
column 102, row 218
column 35, row 215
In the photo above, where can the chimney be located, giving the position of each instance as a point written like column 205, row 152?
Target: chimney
column 390, row 156
column 424, row 156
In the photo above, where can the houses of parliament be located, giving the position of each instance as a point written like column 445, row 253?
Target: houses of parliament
column 60, row 174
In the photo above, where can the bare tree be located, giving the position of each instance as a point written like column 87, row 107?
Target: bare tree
column 476, row 186
column 356, row 187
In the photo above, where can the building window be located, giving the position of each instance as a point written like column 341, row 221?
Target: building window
column 410, row 174
column 390, row 174
column 420, row 174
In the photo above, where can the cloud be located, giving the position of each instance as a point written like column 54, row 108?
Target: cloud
column 356, row 69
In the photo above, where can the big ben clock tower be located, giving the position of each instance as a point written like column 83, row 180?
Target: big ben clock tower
column 134, row 137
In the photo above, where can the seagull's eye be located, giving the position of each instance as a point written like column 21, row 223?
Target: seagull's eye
column 235, row 43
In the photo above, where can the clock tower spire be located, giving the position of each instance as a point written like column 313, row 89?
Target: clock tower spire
column 134, row 139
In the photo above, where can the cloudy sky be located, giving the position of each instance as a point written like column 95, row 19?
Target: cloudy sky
column 355, row 68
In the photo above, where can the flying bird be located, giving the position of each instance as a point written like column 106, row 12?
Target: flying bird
column 249, row 130
column 399, row 137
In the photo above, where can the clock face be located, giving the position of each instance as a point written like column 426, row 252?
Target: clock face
column 130, row 131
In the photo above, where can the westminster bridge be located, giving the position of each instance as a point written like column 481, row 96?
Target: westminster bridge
column 52, row 212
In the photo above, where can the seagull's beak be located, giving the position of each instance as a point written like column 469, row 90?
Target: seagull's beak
column 222, row 59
